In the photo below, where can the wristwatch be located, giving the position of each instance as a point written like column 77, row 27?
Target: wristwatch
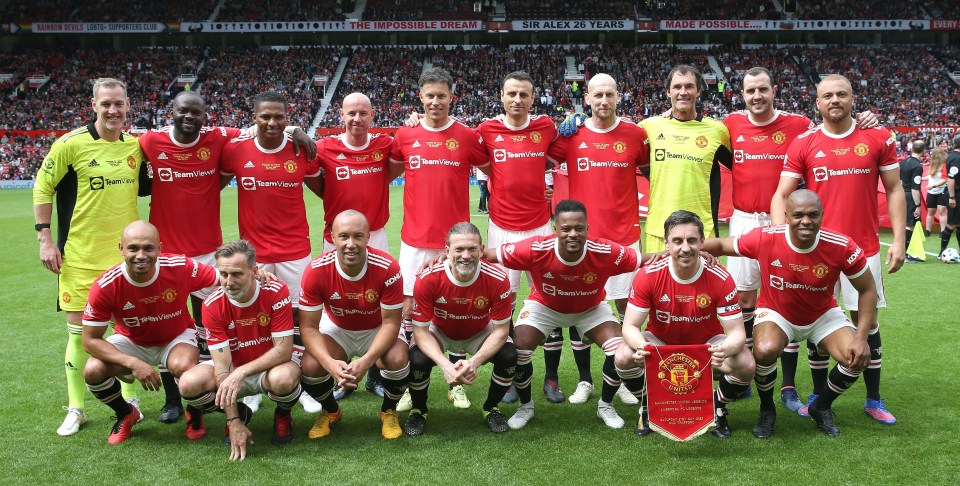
column 41, row 226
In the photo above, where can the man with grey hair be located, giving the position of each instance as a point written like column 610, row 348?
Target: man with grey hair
column 463, row 305
column 94, row 173
column 436, row 158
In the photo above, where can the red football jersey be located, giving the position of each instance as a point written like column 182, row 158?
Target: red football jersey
column 568, row 287
column 844, row 171
column 799, row 284
column 519, row 158
column 602, row 167
column 759, row 150
column 355, row 178
column 436, row 190
column 152, row 313
column 461, row 310
column 353, row 303
column 271, row 213
column 685, row 311
column 561, row 184
column 185, row 201
column 248, row 328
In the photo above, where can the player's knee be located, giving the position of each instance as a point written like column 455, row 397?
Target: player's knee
column 179, row 363
column 506, row 356
column 397, row 357
column 624, row 358
column 765, row 352
column 195, row 381
column 310, row 366
column 95, row 371
column 283, row 379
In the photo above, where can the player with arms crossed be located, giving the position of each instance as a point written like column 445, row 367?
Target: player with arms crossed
column 146, row 296
column 351, row 301
column 94, row 172
column 462, row 305
column 250, row 335
column 843, row 164
column 569, row 272
column 800, row 264
column 688, row 302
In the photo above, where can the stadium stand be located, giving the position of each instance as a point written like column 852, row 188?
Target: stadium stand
column 569, row 9
column 718, row 9
column 231, row 76
column 99, row 11
column 907, row 85
column 298, row 10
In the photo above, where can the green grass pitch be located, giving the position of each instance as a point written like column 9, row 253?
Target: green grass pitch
column 564, row 444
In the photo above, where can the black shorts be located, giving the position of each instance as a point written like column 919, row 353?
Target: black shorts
column 911, row 207
column 953, row 216
column 934, row 200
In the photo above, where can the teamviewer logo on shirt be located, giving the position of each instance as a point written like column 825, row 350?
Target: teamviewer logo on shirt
column 583, row 164
column 820, row 174
column 776, row 282
column 499, row 155
column 414, row 161
column 165, row 174
column 549, row 289
column 343, row 173
column 248, row 183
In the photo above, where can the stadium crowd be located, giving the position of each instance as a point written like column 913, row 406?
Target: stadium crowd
column 906, row 85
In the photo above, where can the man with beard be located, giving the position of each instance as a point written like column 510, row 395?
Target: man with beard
column 462, row 305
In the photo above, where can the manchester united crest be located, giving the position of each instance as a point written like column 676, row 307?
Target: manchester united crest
column 703, row 301
column 203, row 153
column 65, row 298
column 861, row 149
column 679, row 373
column 535, row 137
column 377, row 155
column 779, row 137
column 452, row 144
column 132, row 162
column 169, row 295
column 290, row 166
column 481, row 302
column 701, row 141
column 371, row 295
column 820, row 270
column 589, row 278
column 263, row 319
column 524, row 314
column 619, row 147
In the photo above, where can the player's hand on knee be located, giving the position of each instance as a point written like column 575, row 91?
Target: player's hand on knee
column 228, row 390
column 858, row 353
column 147, row 376
column 342, row 375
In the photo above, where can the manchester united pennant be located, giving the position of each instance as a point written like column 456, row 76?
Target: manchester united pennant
column 679, row 390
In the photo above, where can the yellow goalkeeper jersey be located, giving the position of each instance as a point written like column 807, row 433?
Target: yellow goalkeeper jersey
column 684, row 170
column 95, row 183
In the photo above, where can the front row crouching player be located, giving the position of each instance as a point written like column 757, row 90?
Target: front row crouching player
column 462, row 305
column 689, row 302
column 146, row 296
column 351, row 300
column 250, row 337
column 569, row 272
column 800, row 264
